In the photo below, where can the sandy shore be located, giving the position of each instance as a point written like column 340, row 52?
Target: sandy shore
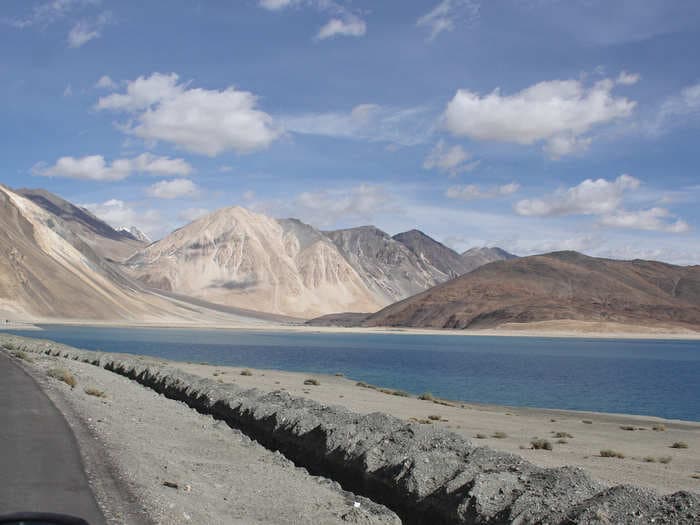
column 585, row 433
column 221, row 476
column 548, row 329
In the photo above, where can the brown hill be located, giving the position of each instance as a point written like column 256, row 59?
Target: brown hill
column 555, row 286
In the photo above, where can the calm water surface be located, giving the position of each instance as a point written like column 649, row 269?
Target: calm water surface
column 657, row 377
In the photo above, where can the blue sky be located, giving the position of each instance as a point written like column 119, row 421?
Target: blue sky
column 534, row 125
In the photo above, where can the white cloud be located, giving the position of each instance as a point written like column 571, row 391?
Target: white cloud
column 192, row 214
column 173, row 189
column 452, row 159
column 602, row 198
column 627, row 79
column 470, row 192
column 653, row 219
column 675, row 110
column 95, row 167
column 105, row 82
column 557, row 112
column 204, row 121
column 68, row 91
column 45, row 14
column 85, row 30
column 276, row 5
column 118, row 213
column 348, row 26
column 248, row 195
column 402, row 126
column 590, row 197
column 444, row 15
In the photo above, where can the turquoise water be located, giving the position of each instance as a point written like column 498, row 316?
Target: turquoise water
column 657, row 377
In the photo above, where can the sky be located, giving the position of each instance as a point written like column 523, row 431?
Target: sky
column 533, row 125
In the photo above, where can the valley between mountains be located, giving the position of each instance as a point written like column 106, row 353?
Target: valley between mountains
column 60, row 263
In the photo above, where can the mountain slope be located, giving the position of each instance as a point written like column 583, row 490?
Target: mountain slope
column 239, row 258
column 388, row 267
column 434, row 253
column 475, row 257
column 556, row 286
column 101, row 237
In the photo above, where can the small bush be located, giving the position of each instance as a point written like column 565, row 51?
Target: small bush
column 421, row 421
column 443, row 403
column 339, row 374
column 63, row 375
column 607, row 453
column 680, row 444
column 434, row 417
column 540, row 444
column 587, row 422
column 92, row 391
column 481, row 436
column 562, row 441
column 563, row 435
column 311, row 381
column 400, row 393
column 426, row 396
column 649, row 459
column 246, row 373
column 21, row 354
column 499, row 435
column 665, row 460
column 627, row 427
column 659, row 428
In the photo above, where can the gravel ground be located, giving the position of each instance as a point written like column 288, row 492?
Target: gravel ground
column 221, row 476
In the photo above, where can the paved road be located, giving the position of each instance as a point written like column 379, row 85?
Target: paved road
column 40, row 465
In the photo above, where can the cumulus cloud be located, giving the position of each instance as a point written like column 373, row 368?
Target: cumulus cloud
column 590, row 197
column 173, row 189
column 371, row 122
column 602, row 198
column 654, row 219
column 450, row 159
column 85, row 30
column 105, row 82
column 558, row 112
column 203, row 121
column 470, row 192
column 349, row 26
column 118, row 213
column 95, row 167
column 444, row 15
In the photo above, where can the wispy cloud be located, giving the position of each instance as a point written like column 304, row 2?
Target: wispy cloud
column 344, row 20
column 447, row 13
column 471, row 192
column 88, row 29
column 450, row 159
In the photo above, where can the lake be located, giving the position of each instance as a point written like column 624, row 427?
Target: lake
column 645, row 377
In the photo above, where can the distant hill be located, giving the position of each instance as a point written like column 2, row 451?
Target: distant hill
column 239, row 258
column 388, row 268
column 555, row 286
column 434, row 253
column 475, row 257
column 100, row 236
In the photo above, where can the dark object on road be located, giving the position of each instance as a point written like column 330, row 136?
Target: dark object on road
column 33, row 518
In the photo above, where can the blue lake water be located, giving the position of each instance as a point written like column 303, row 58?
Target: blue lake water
column 647, row 377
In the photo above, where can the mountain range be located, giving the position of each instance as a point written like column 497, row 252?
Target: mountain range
column 59, row 261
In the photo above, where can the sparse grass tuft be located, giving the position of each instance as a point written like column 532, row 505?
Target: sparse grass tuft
column 563, row 435
column 665, row 460
column 434, row 417
column 695, row 476
column 499, row 435
column 481, row 436
column 246, row 373
column 659, row 428
column 680, row 444
column 63, row 375
column 540, row 444
column 421, row 421
column 339, row 374
column 92, row 391
column 649, row 459
column 627, row 427
column 443, row 403
column 426, row 396
column 562, row 441
column 312, row 381
column 400, row 393
column 587, row 421
column 21, row 354
column 607, row 453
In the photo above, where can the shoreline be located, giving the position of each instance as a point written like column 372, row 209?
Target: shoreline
column 544, row 331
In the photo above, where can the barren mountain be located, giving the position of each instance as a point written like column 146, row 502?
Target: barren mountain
column 388, row 267
column 240, row 258
column 101, row 237
column 475, row 257
column 434, row 253
column 556, row 286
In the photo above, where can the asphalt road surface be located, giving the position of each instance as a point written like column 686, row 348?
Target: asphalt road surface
column 40, row 465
